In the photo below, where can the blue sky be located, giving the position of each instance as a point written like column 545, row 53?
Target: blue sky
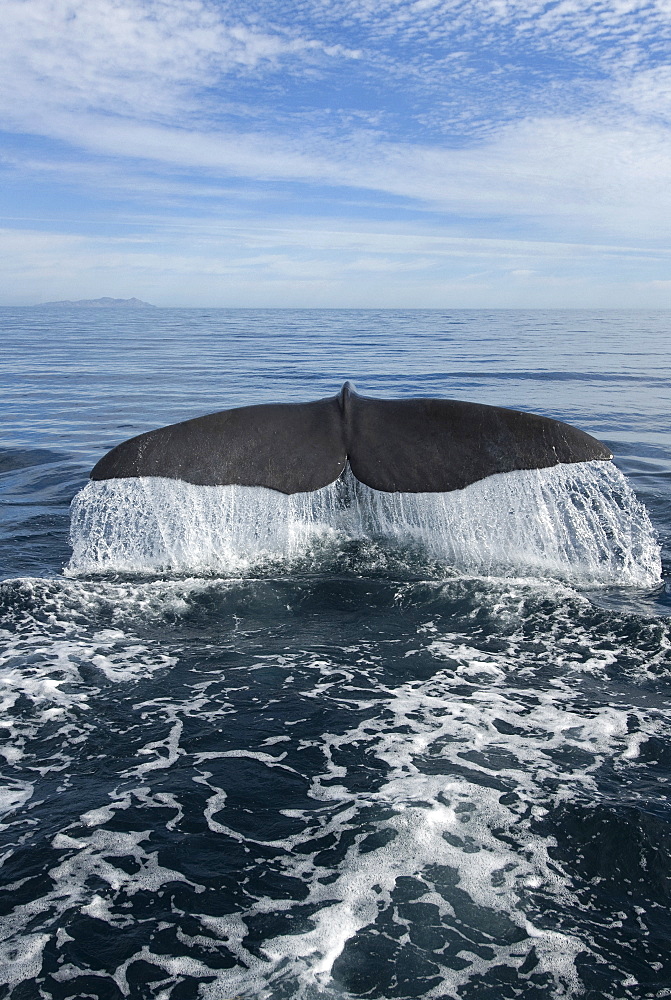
column 364, row 153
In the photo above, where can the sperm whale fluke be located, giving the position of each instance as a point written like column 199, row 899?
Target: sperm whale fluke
column 394, row 445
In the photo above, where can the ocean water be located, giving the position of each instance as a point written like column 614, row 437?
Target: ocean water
column 342, row 745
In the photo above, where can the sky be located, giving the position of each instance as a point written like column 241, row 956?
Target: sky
column 337, row 153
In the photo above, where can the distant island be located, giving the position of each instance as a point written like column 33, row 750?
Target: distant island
column 104, row 303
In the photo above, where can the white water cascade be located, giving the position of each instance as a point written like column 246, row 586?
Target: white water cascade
column 579, row 522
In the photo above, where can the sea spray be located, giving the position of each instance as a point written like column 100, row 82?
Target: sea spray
column 579, row 522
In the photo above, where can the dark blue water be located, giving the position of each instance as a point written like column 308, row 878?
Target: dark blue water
column 254, row 749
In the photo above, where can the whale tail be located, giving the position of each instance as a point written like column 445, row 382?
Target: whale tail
column 393, row 445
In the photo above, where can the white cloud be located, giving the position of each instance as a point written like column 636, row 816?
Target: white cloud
column 569, row 105
column 595, row 179
column 646, row 93
column 219, row 266
column 572, row 24
column 140, row 58
column 167, row 59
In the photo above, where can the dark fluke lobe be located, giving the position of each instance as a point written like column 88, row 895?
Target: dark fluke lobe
column 394, row 445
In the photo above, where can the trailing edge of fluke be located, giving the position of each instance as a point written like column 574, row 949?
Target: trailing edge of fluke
column 395, row 445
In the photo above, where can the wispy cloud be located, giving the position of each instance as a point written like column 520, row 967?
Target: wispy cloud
column 318, row 265
column 531, row 122
column 585, row 177
column 133, row 58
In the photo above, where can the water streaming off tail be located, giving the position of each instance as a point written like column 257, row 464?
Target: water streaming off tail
column 579, row 522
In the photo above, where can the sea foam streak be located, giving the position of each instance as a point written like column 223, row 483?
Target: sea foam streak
column 577, row 522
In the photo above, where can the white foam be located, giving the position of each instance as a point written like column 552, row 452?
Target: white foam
column 501, row 712
column 577, row 522
column 445, row 821
column 13, row 793
column 436, row 811
column 21, row 959
column 50, row 669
